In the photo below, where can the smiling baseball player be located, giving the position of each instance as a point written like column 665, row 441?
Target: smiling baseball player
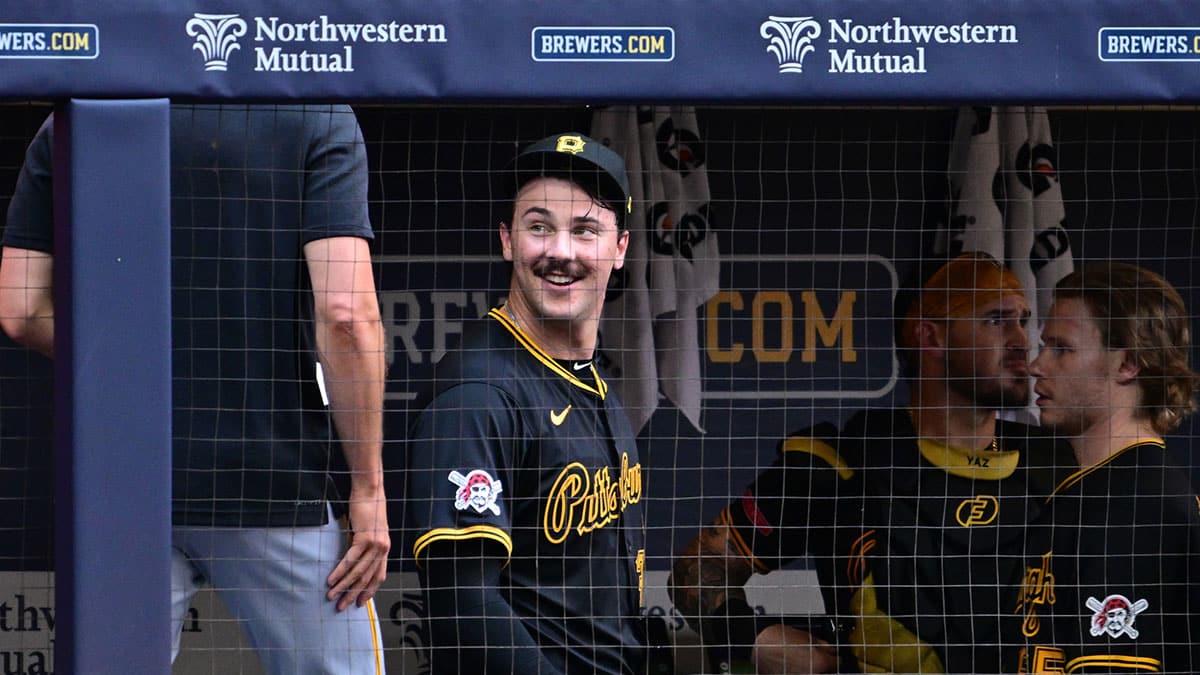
column 525, row 484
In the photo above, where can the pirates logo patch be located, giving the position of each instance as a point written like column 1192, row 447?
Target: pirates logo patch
column 476, row 490
column 1114, row 616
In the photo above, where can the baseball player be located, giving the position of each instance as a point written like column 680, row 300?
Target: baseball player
column 272, row 291
column 912, row 517
column 525, row 484
column 1113, row 576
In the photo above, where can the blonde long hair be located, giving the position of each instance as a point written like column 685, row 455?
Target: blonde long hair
column 1139, row 311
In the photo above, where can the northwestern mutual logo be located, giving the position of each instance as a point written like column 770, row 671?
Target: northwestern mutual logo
column 790, row 40
column 888, row 47
column 315, row 45
column 216, row 37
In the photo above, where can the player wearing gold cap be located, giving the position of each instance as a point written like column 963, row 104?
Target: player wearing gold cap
column 912, row 517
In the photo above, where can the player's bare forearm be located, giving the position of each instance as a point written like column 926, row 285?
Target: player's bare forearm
column 353, row 364
column 27, row 298
column 708, row 573
column 351, row 353
column 352, row 357
column 349, row 336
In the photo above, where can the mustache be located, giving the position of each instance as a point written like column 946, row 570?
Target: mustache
column 546, row 265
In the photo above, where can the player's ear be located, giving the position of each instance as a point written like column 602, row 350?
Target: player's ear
column 929, row 335
column 506, row 241
column 1127, row 367
column 622, row 247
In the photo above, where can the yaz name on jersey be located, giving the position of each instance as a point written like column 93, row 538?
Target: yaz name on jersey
column 584, row 502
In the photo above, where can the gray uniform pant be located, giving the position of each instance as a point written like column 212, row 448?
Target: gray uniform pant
column 273, row 582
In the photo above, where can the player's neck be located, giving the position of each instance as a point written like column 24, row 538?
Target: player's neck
column 958, row 426
column 1108, row 437
column 561, row 339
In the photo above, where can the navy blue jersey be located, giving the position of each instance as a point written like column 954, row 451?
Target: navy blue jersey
column 1113, row 577
column 538, row 459
column 915, row 542
column 250, row 186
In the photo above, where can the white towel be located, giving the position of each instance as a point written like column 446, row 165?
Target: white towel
column 1007, row 201
column 649, row 334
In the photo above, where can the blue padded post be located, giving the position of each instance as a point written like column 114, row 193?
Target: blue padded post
column 113, row 384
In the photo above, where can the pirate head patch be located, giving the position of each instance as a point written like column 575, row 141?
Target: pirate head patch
column 476, row 490
column 1114, row 616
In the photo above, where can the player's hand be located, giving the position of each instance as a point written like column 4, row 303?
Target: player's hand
column 364, row 567
column 784, row 649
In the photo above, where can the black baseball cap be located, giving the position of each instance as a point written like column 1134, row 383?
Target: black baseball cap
column 580, row 159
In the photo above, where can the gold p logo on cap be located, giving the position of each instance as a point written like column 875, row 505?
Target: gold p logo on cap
column 571, row 144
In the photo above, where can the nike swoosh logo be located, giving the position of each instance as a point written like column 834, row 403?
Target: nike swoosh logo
column 581, row 366
column 557, row 418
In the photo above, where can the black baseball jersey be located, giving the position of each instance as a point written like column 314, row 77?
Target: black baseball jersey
column 1113, row 576
column 253, row 441
column 914, row 542
column 537, row 458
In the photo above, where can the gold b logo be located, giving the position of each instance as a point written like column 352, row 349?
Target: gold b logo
column 571, row 144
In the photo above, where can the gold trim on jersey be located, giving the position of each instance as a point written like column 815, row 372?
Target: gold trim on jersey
column 739, row 544
column 600, row 388
column 819, row 449
column 1118, row 661
column 985, row 464
column 1078, row 475
column 451, row 534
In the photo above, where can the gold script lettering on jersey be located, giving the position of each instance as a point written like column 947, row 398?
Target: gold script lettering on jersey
column 584, row 501
column 1037, row 590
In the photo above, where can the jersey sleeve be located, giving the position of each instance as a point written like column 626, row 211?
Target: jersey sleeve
column 30, row 222
column 335, row 188
column 459, row 468
column 786, row 512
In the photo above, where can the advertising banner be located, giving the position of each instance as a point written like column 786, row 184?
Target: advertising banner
column 596, row 50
